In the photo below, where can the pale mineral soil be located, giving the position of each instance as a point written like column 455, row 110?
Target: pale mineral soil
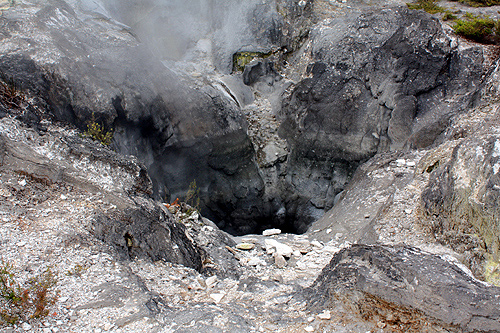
column 49, row 226
column 46, row 226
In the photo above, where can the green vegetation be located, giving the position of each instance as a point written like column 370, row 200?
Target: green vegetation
column 428, row 5
column 97, row 132
column 479, row 3
column 24, row 302
column 241, row 59
column 477, row 28
column 449, row 16
column 193, row 196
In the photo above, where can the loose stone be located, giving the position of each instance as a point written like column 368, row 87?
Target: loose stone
column 245, row 246
column 211, row 281
column 279, row 260
column 270, row 232
column 217, row 297
column 325, row 315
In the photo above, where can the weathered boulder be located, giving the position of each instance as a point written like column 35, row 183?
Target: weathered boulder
column 407, row 289
column 377, row 80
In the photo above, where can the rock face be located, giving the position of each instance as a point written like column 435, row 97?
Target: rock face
column 460, row 202
column 412, row 286
column 377, row 80
column 136, row 225
column 393, row 80
column 79, row 63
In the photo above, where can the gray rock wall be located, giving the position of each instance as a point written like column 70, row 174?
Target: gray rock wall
column 377, row 80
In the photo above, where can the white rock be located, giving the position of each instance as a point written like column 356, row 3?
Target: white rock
column 59, row 322
column 256, row 262
column 217, row 297
column 411, row 163
column 270, row 232
column 21, row 243
column 23, row 183
column 330, row 249
column 245, row 246
column 274, row 246
column 309, row 329
column 63, row 197
column 325, row 315
column 328, row 231
column 408, row 211
column 401, row 162
column 26, row 326
column 279, row 260
column 63, row 299
column 310, row 319
column 316, row 244
column 211, row 281
column 47, row 330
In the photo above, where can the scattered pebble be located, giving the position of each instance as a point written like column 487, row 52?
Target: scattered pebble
column 245, row 246
column 315, row 243
column 325, row 315
column 279, row 260
column 217, row 297
column 270, row 232
column 280, row 248
column 211, row 281
column 309, row 329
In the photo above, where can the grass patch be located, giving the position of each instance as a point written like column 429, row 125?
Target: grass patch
column 24, row 302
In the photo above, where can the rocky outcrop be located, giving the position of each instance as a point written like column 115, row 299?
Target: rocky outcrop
column 376, row 80
column 136, row 225
column 460, row 202
column 404, row 288
column 79, row 63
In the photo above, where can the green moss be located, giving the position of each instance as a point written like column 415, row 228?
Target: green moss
column 449, row 16
column 479, row 29
column 428, row 5
column 479, row 3
column 241, row 59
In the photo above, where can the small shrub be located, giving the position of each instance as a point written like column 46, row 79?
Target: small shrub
column 193, row 196
column 97, row 132
column 479, row 29
column 428, row 5
column 25, row 302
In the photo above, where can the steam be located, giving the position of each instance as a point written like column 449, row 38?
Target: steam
column 172, row 29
